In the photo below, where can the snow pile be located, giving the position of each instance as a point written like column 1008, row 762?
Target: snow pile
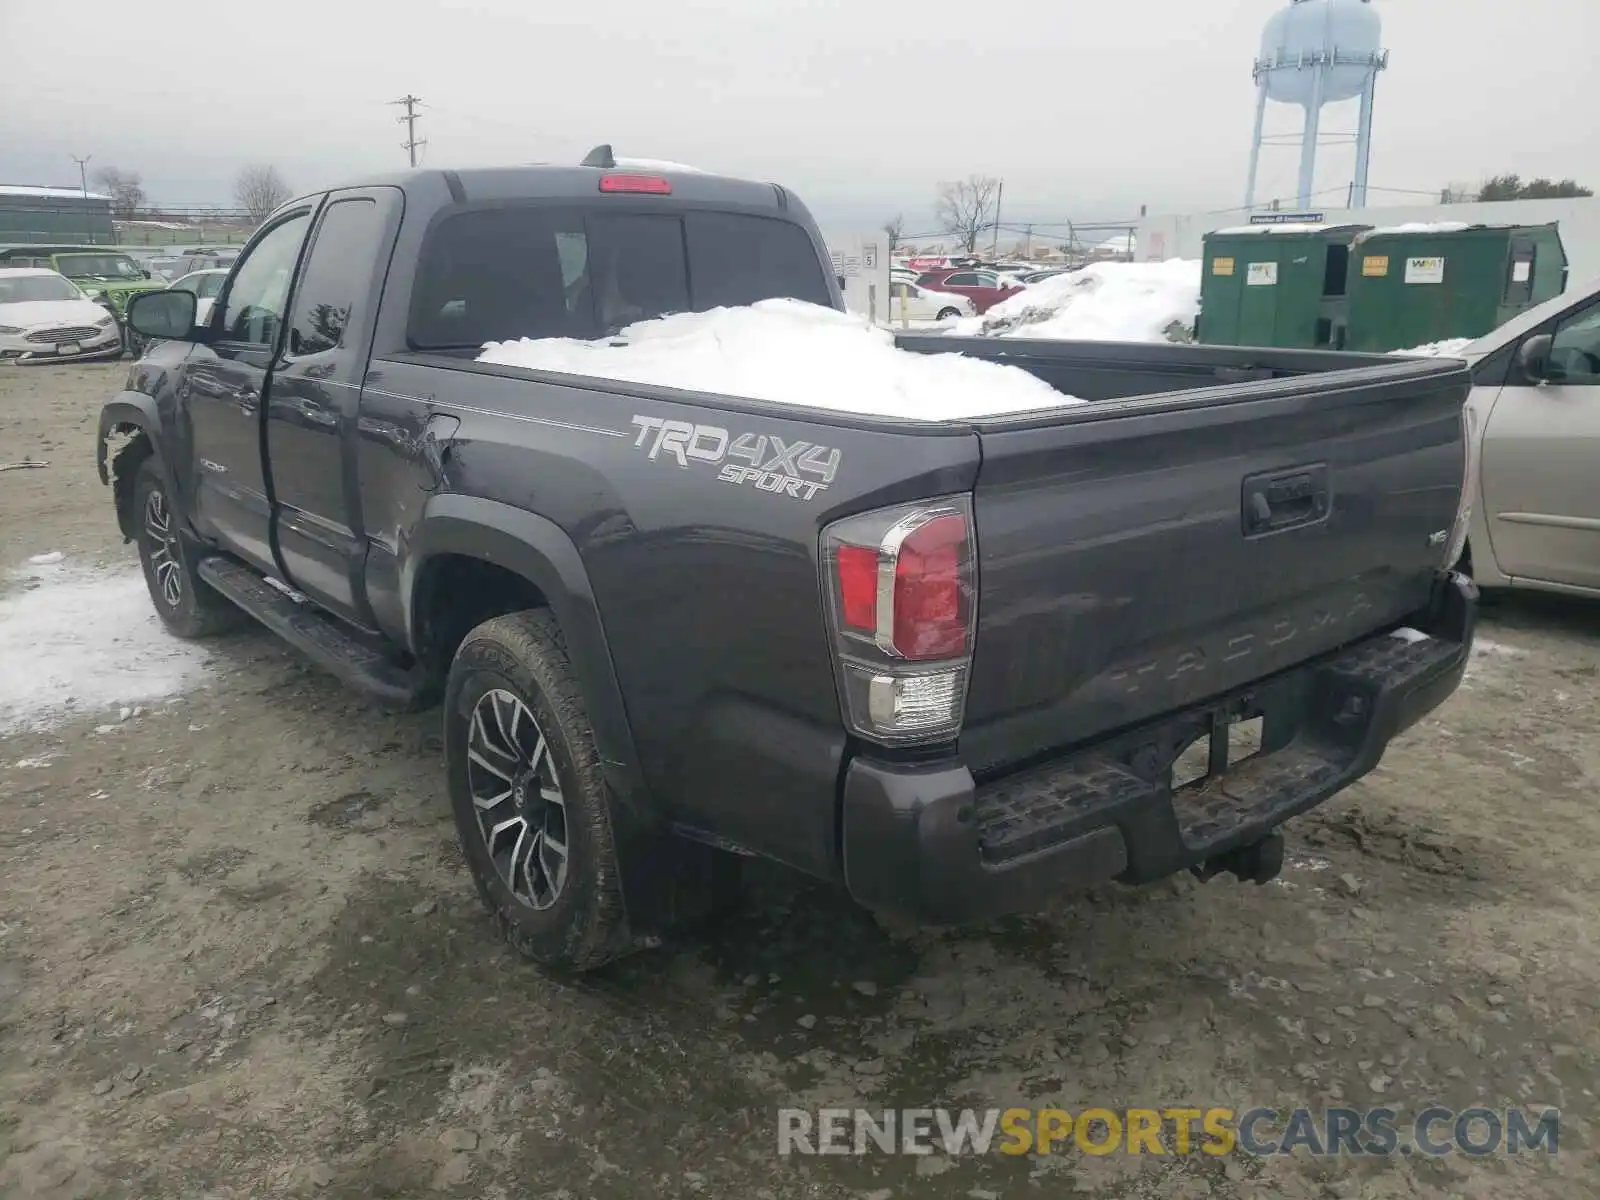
column 792, row 353
column 1414, row 227
column 1449, row 348
column 84, row 643
column 1110, row 302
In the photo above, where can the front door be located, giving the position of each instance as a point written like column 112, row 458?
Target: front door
column 1541, row 461
column 314, row 403
column 223, row 385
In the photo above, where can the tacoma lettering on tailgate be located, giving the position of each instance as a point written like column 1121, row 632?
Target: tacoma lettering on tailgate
column 774, row 464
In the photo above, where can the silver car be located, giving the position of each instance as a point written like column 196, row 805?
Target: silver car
column 1535, row 477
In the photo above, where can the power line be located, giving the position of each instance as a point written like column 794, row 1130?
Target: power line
column 410, row 122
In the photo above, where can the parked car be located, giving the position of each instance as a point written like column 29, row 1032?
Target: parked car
column 1050, row 273
column 106, row 275
column 208, row 260
column 984, row 288
column 948, row 665
column 1534, row 460
column 921, row 304
column 206, row 286
column 45, row 317
column 166, row 266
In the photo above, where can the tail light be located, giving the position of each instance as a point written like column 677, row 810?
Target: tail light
column 652, row 185
column 1469, row 483
column 902, row 602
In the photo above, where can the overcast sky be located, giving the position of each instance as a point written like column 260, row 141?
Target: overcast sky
column 1086, row 110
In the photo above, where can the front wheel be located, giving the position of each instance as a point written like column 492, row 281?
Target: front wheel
column 186, row 604
column 528, row 796
column 946, row 314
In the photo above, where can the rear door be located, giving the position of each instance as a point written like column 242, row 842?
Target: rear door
column 312, row 402
column 223, row 388
column 1140, row 556
column 1541, row 461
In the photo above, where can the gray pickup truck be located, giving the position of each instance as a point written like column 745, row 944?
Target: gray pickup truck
column 950, row 665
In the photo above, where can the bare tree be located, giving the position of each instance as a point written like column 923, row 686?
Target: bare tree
column 895, row 230
column 260, row 189
column 966, row 207
column 125, row 188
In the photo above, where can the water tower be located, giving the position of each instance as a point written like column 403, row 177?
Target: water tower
column 1314, row 53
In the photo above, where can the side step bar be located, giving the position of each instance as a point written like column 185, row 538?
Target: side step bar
column 320, row 638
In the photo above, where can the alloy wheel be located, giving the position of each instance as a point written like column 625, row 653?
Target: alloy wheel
column 163, row 548
column 516, row 793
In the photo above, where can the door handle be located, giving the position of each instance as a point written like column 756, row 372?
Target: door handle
column 246, row 398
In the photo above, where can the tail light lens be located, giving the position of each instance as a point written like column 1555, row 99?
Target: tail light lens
column 1469, row 485
column 652, row 185
column 902, row 601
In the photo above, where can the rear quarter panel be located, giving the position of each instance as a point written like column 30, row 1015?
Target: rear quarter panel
column 704, row 570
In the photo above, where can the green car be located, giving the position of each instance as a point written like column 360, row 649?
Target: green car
column 106, row 275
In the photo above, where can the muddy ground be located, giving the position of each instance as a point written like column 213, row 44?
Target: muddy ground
column 240, row 956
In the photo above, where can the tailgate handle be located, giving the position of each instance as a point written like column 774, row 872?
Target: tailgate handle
column 1285, row 499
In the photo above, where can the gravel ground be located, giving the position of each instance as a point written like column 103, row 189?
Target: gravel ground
column 240, row 956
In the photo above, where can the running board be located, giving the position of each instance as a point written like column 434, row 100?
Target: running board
column 319, row 637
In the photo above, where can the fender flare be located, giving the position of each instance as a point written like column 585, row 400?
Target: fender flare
column 138, row 410
column 540, row 551
column 127, row 408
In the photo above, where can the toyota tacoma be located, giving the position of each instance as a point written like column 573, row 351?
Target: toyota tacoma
column 955, row 666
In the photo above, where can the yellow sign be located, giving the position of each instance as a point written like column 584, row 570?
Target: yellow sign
column 1222, row 266
column 1375, row 264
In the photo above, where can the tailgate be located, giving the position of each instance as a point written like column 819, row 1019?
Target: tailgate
column 1137, row 556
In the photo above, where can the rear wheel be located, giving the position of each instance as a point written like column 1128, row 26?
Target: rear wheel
column 528, row 796
column 184, row 602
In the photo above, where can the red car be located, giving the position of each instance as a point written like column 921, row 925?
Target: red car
column 984, row 288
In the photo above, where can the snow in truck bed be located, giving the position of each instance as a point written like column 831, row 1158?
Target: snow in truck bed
column 792, row 353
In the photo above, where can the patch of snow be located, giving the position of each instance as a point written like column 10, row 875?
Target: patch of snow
column 1407, row 634
column 84, row 643
column 1449, row 348
column 52, row 193
column 1112, row 302
column 791, row 352
column 45, row 560
column 1416, row 227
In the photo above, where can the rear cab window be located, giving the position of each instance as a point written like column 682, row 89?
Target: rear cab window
column 579, row 271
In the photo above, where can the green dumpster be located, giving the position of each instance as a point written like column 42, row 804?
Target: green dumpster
column 1276, row 285
column 1415, row 284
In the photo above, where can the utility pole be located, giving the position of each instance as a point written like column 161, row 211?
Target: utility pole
column 994, row 246
column 83, row 172
column 410, row 122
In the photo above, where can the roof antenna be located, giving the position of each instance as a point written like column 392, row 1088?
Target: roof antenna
column 600, row 156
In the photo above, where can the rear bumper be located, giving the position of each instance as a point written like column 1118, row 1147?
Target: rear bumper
column 931, row 843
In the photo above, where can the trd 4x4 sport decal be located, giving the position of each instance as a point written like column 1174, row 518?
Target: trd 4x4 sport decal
column 797, row 469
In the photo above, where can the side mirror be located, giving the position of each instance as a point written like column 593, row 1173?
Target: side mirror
column 166, row 315
column 1533, row 357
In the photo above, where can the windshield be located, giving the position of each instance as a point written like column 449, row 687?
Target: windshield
column 37, row 287
column 103, row 266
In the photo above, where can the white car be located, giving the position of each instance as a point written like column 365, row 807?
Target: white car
column 45, row 317
column 1534, row 427
column 206, row 286
column 921, row 304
